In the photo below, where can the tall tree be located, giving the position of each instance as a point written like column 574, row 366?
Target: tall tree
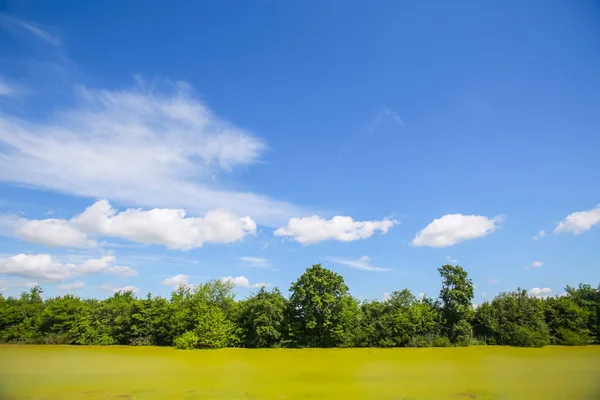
column 316, row 308
column 588, row 298
column 262, row 318
column 456, row 295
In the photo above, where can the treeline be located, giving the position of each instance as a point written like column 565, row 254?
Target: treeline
column 320, row 312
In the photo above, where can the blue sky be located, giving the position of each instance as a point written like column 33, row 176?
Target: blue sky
column 250, row 140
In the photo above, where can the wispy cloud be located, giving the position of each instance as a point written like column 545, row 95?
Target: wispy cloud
column 140, row 146
column 7, row 89
column 381, row 116
column 54, row 40
column 19, row 284
column 71, row 286
column 257, row 262
column 494, row 281
column 451, row 260
column 15, row 24
column 540, row 235
column 363, row 263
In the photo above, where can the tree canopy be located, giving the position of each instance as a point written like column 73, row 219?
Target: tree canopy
column 320, row 312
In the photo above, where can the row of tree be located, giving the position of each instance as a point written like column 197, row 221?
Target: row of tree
column 320, row 312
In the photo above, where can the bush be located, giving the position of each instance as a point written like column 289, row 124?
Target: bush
column 462, row 333
column 187, row 341
column 567, row 337
column 527, row 337
column 441, row 341
column 429, row 341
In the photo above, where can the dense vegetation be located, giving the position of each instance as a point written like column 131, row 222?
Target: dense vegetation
column 320, row 312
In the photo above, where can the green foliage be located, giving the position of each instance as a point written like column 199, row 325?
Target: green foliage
column 262, row 318
column 319, row 313
column 514, row 319
column 187, row 341
column 214, row 330
column 316, row 309
column 456, row 295
column 588, row 298
column 567, row 321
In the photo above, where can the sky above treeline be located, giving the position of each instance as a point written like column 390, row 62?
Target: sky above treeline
column 146, row 145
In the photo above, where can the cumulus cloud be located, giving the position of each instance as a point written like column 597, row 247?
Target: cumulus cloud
column 44, row 267
column 579, row 222
column 314, row 229
column 257, row 262
column 363, row 263
column 242, row 281
column 161, row 226
column 540, row 235
column 540, row 292
column 175, row 281
column 535, row 264
column 48, row 232
column 451, row 229
column 386, row 296
column 71, row 286
column 142, row 146
column 116, row 289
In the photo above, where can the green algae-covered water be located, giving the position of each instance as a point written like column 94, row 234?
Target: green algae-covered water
column 66, row 372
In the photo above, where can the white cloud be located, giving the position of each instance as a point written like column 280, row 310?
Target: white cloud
column 540, row 292
column 162, row 226
column 363, row 263
column 494, row 281
column 540, row 235
column 6, row 284
column 242, row 281
column 140, row 146
column 382, row 114
column 48, row 232
column 115, row 289
column 455, row 228
column 386, row 296
column 256, row 262
column 579, row 222
column 71, row 286
column 535, row 264
column 121, row 270
column 314, row 229
column 176, row 280
column 44, row 267
column 169, row 227
column 46, row 36
column 6, row 89
column 451, row 260
column 420, row 296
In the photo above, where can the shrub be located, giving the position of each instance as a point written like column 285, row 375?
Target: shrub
column 187, row 341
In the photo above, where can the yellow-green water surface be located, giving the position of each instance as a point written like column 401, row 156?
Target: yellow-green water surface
column 65, row 372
